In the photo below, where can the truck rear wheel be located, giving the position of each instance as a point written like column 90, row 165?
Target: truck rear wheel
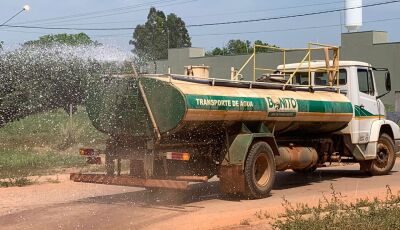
column 385, row 157
column 259, row 171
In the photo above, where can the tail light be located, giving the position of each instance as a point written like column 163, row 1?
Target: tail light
column 86, row 152
column 177, row 156
column 91, row 156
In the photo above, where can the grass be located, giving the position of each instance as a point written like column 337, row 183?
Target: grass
column 245, row 222
column 28, row 163
column 50, row 129
column 53, row 181
column 20, row 182
column 44, row 143
column 335, row 213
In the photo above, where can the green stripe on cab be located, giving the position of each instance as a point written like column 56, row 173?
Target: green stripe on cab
column 361, row 112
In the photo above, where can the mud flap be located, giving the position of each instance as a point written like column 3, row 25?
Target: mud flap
column 231, row 179
column 239, row 147
column 231, row 171
column 397, row 147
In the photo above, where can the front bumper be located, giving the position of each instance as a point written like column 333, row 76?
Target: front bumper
column 397, row 147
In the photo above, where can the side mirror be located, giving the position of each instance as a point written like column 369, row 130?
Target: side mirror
column 388, row 82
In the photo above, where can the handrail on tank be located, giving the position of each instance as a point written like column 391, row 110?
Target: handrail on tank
column 330, row 69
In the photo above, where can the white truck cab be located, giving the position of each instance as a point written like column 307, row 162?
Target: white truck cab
column 369, row 133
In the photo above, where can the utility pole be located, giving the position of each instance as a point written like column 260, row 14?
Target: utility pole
column 25, row 8
column 168, row 37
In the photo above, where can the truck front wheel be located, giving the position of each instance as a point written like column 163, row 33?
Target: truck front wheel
column 259, row 171
column 385, row 157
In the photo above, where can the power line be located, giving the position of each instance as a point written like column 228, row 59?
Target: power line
column 291, row 29
column 291, row 16
column 215, row 23
column 203, row 15
column 94, row 23
column 76, row 16
column 259, row 31
column 68, row 19
column 268, row 9
column 195, row 16
column 21, row 31
column 229, row 33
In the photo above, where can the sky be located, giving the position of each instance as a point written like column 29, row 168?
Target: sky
column 290, row 32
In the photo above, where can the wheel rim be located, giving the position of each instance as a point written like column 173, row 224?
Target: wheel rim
column 261, row 170
column 382, row 155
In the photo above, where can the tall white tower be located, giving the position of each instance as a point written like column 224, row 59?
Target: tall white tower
column 353, row 15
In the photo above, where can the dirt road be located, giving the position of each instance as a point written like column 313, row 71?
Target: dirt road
column 69, row 205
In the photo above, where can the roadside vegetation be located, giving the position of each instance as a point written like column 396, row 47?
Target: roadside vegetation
column 44, row 143
column 334, row 212
column 11, row 182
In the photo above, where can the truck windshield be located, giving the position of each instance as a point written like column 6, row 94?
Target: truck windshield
column 321, row 78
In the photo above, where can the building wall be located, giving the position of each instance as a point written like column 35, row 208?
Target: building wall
column 370, row 46
column 373, row 47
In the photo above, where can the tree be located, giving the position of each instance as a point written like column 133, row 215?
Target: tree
column 152, row 39
column 263, row 49
column 65, row 39
column 1, row 45
column 69, row 91
column 217, row 52
column 178, row 35
column 237, row 46
column 35, row 79
column 233, row 47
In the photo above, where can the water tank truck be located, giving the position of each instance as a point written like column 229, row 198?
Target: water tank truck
column 176, row 129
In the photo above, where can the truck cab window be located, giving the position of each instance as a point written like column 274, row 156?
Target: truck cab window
column 365, row 81
column 342, row 77
column 371, row 83
column 300, row 78
column 321, row 78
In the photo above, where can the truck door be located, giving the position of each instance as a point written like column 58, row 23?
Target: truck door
column 366, row 111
